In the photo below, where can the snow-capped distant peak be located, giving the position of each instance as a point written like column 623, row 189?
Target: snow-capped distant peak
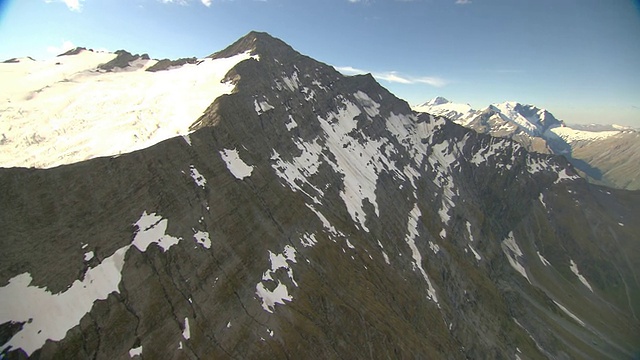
column 439, row 100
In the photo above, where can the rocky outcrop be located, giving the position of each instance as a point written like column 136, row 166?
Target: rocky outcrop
column 122, row 60
column 166, row 64
column 74, row 51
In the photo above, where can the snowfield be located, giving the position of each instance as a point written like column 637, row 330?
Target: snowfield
column 64, row 110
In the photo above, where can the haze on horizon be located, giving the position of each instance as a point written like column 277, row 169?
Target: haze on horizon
column 578, row 59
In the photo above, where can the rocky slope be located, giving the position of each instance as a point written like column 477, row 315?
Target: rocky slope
column 312, row 215
column 539, row 131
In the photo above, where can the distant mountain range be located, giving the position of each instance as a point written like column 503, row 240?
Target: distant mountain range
column 604, row 154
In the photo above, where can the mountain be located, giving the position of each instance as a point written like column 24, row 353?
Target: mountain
column 460, row 113
column 539, row 131
column 305, row 214
column 84, row 104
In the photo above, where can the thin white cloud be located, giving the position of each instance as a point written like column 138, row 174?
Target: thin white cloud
column 463, row 2
column 392, row 76
column 395, row 77
column 348, row 70
column 206, row 3
column 73, row 5
column 431, row 80
column 57, row 50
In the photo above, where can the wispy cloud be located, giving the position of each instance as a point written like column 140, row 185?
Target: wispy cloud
column 179, row 2
column 395, row 77
column 463, row 2
column 73, row 5
column 64, row 47
column 206, row 3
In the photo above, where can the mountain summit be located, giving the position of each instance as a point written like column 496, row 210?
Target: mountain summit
column 305, row 214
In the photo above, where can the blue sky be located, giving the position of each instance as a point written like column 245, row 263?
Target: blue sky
column 580, row 59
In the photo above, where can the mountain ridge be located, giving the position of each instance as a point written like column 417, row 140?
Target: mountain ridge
column 538, row 130
column 309, row 214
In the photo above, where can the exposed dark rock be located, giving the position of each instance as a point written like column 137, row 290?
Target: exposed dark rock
column 74, row 51
column 166, row 64
column 122, row 60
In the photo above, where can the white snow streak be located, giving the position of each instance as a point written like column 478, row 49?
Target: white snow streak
column 186, row 333
column 544, row 261
column 574, row 268
column 412, row 234
column 562, row 175
column 514, row 254
column 571, row 315
column 434, row 247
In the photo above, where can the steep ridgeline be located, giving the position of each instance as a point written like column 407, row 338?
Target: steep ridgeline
column 603, row 155
column 312, row 215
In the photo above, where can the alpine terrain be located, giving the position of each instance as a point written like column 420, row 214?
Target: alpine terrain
column 605, row 155
column 257, row 204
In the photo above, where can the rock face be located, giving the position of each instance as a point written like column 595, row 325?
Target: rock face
column 539, row 131
column 123, row 60
column 166, row 64
column 312, row 215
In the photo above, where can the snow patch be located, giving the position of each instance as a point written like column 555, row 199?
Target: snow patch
column 152, row 230
column 563, row 175
column 202, row 238
column 514, row 255
column 236, row 166
column 434, row 247
column 371, row 107
column 292, row 124
column 186, row 333
column 262, row 106
column 574, row 269
column 308, row 240
column 412, row 234
column 49, row 316
column 197, row 177
column 325, row 223
column 135, row 351
column 269, row 298
column 571, row 315
column 475, row 253
column 541, row 198
column 88, row 255
column 469, row 231
column 297, row 172
column 544, row 261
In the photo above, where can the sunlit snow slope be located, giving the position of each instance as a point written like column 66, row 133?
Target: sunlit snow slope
column 64, row 110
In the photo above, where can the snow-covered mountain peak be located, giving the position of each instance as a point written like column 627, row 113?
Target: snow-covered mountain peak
column 439, row 100
column 257, row 44
column 119, row 108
